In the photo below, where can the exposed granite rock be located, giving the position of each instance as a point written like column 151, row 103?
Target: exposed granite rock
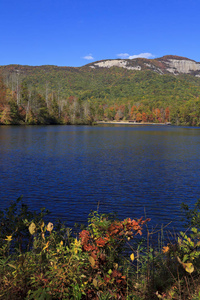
column 166, row 64
column 116, row 63
column 182, row 66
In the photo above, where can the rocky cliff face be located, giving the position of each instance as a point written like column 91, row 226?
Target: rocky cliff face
column 116, row 63
column 176, row 66
column 167, row 64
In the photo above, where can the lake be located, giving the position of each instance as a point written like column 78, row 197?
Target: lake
column 131, row 170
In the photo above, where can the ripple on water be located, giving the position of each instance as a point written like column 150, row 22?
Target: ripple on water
column 129, row 170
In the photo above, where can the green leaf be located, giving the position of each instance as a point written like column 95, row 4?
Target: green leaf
column 194, row 229
column 185, row 257
column 110, row 272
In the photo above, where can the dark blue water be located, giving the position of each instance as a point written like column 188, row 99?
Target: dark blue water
column 69, row 169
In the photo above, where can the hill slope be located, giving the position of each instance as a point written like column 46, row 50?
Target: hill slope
column 158, row 90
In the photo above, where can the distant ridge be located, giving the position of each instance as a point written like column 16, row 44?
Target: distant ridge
column 174, row 57
column 168, row 64
column 160, row 90
column 191, row 66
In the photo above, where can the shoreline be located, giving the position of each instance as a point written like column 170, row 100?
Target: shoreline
column 129, row 123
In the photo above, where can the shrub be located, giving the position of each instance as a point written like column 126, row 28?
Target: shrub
column 43, row 261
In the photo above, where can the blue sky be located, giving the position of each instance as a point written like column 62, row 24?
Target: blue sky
column 77, row 32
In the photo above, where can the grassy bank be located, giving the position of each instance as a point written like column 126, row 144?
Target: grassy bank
column 107, row 259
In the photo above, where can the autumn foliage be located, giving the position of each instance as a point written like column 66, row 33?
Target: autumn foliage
column 102, row 241
column 86, row 267
column 42, row 260
column 53, row 95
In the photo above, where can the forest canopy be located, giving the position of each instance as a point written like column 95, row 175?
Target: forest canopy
column 65, row 95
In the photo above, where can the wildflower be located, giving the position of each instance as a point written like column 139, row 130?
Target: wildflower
column 8, row 238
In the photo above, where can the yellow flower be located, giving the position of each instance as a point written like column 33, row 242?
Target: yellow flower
column 8, row 238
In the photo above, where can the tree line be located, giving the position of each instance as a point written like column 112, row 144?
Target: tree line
column 86, row 96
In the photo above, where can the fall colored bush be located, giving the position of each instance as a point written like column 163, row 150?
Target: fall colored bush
column 42, row 260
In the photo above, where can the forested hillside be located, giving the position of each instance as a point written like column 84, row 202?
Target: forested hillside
column 67, row 95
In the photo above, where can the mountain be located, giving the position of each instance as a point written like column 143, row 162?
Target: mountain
column 169, row 64
column 150, row 90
